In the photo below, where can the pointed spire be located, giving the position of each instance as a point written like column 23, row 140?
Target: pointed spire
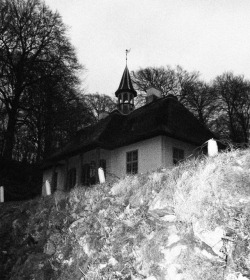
column 126, row 84
column 127, row 51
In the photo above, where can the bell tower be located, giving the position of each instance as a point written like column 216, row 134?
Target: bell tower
column 126, row 92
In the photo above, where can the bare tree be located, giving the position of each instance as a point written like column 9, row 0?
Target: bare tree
column 161, row 78
column 233, row 94
column 195, row 94
column 199, row 98
column 99, row 103
column 33, row 46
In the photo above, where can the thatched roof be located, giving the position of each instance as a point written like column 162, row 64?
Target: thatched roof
column 165, row 116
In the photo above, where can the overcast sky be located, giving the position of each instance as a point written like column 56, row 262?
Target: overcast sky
column 209, row 36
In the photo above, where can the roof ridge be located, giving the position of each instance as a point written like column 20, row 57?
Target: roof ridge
column 153, row 102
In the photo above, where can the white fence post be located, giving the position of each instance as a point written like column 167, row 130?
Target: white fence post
column 101, row 175
column 48, row 188
column 212, row 148
column 2, row 194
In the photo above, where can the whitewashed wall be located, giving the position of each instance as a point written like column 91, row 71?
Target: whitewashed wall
column 169, row 143
column 92, row 156
column 149, row 156
column 75, row 162
column 153, row 153
column 61, row 175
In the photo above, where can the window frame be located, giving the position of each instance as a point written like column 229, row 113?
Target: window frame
column 132, row 162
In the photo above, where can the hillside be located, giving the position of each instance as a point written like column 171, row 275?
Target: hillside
column 191, row 222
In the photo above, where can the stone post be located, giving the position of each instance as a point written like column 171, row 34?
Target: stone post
column 1, row 194
column 47, row 187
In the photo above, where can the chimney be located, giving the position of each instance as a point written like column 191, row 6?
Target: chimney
column 152, row 94
column 103, row 115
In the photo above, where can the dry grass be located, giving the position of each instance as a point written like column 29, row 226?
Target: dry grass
column 213, row 189
column 116, row 231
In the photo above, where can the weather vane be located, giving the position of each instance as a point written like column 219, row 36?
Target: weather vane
column 127, row 51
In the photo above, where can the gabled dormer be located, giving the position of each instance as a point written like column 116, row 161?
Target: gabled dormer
column 126, row 93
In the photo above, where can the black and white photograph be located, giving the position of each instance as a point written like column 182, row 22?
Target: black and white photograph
column 125, row 140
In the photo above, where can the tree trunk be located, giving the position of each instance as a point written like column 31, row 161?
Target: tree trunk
column 9, row 140
column 48, row 127
column 39, row 151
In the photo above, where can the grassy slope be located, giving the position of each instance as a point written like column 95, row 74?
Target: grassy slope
column 138, row 227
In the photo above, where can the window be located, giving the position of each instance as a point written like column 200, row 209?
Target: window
column 125, row 97
column 178, row 155
column 132, row 162
column 88, row 176
column 71, row 178
column 92, row 172
column 85, row 174
column 54, row 181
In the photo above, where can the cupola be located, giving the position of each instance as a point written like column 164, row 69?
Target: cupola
column 126, row 93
